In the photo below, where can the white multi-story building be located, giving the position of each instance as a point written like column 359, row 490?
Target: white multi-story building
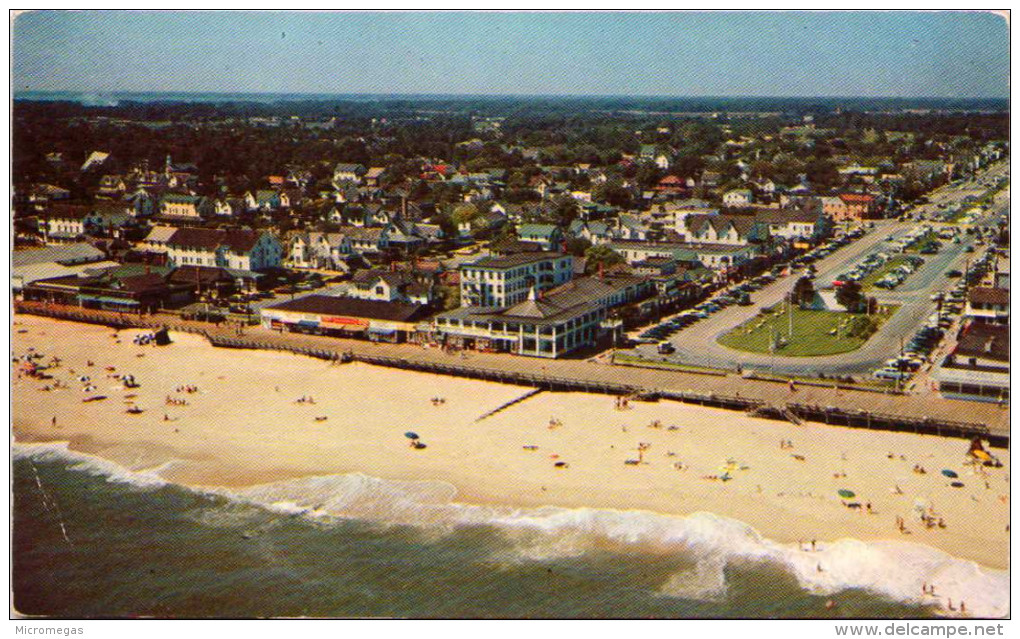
column 505, row 281
column 236, row 249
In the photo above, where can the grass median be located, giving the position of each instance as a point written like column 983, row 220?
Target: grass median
column 815, row 332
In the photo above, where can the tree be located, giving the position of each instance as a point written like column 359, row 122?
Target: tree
column 463, row 213
column 601, row 255
column 803, row 291
column 564, row 209
column 577, row 246
column 849, row 296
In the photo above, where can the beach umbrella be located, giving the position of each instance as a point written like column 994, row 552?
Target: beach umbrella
column 846, row 494
column 411, row 435
column 949, row 473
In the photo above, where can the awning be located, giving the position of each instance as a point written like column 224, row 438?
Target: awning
column 108, row 300
column 308, row 323
column 382, row 331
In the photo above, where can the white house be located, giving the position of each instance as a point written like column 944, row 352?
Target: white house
column 65, row 222
column 738, row 197
column 346, row 172
column 237, row 249
column 318, row 250
column 389, row 286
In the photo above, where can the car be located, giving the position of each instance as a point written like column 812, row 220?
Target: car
column 954, row 273
column 666, row 348
column 890, row 373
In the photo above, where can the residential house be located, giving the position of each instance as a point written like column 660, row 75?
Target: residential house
column 859, row 206
column 595, row 232
column 736, row 198
column 95, row 160
column 389, row 286
column 366, row 240
column 318, row 250
column 69, row 222
column 346, row 172
column 808, row 223
column 374, row 175
column 182, row 207
column 111, row 186
column 725, row 229
column 549, row 236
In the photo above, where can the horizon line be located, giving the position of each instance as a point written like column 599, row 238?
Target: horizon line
column 508, row 95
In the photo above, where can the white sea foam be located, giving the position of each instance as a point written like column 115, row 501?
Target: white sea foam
column 893, row 569
column 91, row 464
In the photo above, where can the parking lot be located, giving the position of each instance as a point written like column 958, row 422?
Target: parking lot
column 691, row 337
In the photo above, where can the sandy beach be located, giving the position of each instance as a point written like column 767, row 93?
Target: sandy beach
column 244, row 424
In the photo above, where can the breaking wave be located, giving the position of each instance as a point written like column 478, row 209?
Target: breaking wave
column 892, row 569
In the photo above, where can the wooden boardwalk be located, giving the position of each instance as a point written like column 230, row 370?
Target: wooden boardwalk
column 929, row 414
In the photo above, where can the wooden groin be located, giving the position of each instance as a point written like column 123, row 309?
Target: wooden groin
column 505, row 405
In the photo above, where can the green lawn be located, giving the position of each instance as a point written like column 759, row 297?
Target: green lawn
column 921, row 241
column 873, row 277
column 629, row 360
column 811, row 333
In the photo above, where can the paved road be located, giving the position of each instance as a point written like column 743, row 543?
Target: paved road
column 698, row 343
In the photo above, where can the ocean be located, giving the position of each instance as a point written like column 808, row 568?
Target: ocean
column 92, row 539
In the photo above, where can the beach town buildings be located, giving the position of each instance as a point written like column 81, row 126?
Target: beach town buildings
column 182, row 207
column 502, row 281
column 547, row 324
column 737, row 198
column 69, row 222
column 234, row 249
column 978, row 366
column 317, row 250
column 389, row 286
column 987, row 305
column 341, row 316
column 720, row 257
column 549, row 236
column 348, row 172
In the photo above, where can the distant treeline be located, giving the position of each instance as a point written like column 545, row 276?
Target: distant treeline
column 156, row 106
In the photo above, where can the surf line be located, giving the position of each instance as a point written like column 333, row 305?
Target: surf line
column 46, row 499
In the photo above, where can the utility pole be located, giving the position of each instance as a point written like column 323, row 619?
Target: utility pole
column 789, row 311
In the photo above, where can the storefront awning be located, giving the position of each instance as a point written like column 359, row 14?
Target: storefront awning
column 382, row 331
column 108, row 300
column 308, row 323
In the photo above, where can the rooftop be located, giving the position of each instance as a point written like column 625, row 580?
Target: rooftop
column 352, row 307
column 514, row 259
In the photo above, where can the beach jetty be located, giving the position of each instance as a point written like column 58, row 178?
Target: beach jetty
column 505, row 405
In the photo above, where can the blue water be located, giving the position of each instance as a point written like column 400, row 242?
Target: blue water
column 93, row 540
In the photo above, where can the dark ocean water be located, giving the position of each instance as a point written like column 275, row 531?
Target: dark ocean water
column 94, row 540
